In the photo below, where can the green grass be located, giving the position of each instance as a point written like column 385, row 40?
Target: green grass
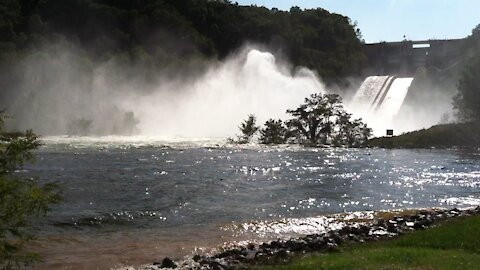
column 441, row 136
column 453, row 245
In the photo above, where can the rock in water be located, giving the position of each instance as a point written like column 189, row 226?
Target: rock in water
column 168, row 263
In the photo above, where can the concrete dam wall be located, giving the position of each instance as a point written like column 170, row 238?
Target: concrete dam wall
column 408, row 85
column 405, row 57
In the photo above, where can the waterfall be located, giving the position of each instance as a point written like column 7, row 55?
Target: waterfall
column 378, row 101
column 394, row 98
column 368, row 91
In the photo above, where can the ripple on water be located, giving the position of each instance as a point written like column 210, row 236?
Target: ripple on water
column 197, row 192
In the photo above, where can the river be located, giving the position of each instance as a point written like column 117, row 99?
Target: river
column 129, row 201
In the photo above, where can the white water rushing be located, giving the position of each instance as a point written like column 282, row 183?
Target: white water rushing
column 215, row 104
column 378, row 101
column 394, row 98
column 59, row 96
column 368, row 92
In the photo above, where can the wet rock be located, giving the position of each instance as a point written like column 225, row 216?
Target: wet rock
column 245, row 257
column 264, row 246
column 346, row 230
column 332, row 247
column 363, row 230
column 399, row 219
column 215, row 265
column 277, row 244
column 318, row 243
column 261, row 255
column 421, row 224
column 454, row 212
column 381, row 223
column 251, row 254
column 296, row 245
column 197, row 258
column 354, row 238
column 231, row 253
column 168, row 263
column 282, row 253
column 470, row 212
column 335, row 237
column 392, row 228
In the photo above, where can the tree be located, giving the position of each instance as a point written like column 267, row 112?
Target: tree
column 467, row 101
column 350, row 133
column 20, row 199
column 248, row 129
column 274, row 132
column 322, row 119
column 314, row 119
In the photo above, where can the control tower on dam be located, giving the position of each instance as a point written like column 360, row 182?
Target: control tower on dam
column 405, row 57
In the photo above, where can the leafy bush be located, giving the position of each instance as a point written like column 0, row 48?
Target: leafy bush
column 467, row 101
column 248, row 129
column 274, row 132
column 350, row 133
column 20, row 199
column 320, row 120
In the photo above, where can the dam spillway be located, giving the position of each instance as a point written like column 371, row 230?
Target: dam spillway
column 379, row 99
column 395, row 95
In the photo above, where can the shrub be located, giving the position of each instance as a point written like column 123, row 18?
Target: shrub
column 274, row 132
column 248, row 129
column 20, row 199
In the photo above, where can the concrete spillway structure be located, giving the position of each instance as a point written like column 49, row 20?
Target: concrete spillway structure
column 392, row 102
column 379, row 100
column 369, row 90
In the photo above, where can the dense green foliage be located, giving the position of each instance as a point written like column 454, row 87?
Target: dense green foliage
column 352, row 133
column 20, row 199
column 440, row 136
column 159, row 33
column 313, row 120
column 467, row 101
column 274, row 132
column 248, row 128
column 453, row 245
column 321, row 120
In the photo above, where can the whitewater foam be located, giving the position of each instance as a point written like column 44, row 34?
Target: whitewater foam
column 69, row 100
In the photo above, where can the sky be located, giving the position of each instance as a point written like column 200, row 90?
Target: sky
column 391, row 20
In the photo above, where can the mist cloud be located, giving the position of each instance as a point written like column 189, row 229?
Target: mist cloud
column 60, row 92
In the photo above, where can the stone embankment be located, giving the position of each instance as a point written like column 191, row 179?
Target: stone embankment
column 280, row 250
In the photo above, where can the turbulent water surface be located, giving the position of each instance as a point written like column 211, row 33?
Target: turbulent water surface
column 130, row 201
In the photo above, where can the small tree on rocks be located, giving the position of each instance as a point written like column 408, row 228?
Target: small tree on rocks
column 248, row 129
column 314, row 120
column 350, row 133
column 274, row 132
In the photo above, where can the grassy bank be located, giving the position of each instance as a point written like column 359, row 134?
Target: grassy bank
column 454, row 244
column 440, row 136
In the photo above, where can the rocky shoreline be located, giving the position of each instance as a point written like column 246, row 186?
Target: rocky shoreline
column 281, row 250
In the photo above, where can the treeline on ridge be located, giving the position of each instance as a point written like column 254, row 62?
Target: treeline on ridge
column 159, row 33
